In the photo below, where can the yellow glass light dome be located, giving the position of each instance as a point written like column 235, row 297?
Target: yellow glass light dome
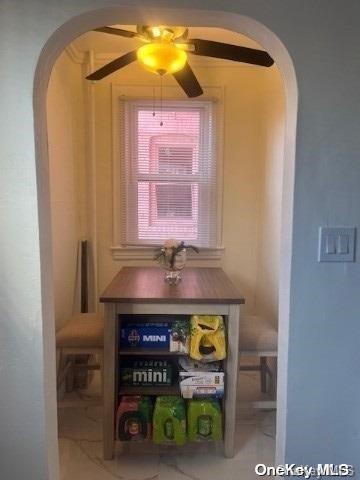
column 162, row 58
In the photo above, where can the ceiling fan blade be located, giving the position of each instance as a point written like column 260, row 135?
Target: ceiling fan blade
column 116, row 31
column 188, row 82
column 113, row 66
column 208, row 48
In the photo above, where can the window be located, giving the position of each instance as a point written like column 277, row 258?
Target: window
column 168, row 180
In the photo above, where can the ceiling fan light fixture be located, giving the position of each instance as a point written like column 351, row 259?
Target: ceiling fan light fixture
column 162, row 58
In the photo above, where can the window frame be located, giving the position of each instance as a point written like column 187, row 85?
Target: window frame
column 120, row 99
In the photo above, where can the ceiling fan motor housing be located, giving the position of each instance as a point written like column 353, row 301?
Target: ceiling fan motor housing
column 164, row 32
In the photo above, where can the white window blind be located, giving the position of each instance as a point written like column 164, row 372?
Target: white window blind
column 168, row 182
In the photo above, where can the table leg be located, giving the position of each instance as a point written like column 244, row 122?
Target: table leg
column 109, row 380
column 231, row 372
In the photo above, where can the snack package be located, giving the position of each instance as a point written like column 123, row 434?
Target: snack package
column 190, row 365
column 199, row 379
column 204, row 420
column 180, row 336
column 169, row 421
column 199, row 384
column 207, row 341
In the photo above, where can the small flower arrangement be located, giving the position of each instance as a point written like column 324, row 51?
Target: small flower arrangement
column 170, row 250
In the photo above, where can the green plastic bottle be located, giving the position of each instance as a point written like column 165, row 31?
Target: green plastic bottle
column 204, row 420
column 169, row 421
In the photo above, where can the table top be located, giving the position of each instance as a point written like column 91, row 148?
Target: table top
column 147, row 285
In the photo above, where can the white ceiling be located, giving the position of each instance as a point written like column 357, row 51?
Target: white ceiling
column 112, row 45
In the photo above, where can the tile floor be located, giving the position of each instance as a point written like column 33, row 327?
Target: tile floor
column 80, row 447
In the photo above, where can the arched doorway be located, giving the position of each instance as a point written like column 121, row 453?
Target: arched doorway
column 57, row 42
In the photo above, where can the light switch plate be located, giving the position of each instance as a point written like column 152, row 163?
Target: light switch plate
column 337, row 244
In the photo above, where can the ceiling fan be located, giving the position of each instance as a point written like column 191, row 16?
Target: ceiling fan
column 165, row 51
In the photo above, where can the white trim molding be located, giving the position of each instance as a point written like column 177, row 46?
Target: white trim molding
column 120, row 252
column 47, row 453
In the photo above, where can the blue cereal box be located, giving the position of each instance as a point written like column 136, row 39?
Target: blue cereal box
column 146, row 335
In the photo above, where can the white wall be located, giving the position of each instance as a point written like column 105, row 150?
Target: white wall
column 66, row 138
column 268, row 260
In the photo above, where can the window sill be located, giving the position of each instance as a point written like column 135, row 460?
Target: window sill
column 119, row 252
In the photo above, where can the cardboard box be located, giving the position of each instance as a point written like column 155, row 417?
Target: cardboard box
column 145, row 372
column 145, row 335
column 197, row 384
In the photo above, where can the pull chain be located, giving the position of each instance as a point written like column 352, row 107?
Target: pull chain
column 153, row 105
column 161, row 102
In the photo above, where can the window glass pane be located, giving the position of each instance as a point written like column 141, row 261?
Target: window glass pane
column 160, row 217
column 179, row 128
column 175, row 160
column 173, row 201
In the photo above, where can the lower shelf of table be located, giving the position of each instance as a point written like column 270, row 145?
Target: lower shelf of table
column 142, row 447
column 152, row 352
column 153, row 390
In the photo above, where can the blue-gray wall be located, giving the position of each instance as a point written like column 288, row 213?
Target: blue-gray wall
column 323, row 39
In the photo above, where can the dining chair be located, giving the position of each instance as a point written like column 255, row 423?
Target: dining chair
column 82, row 334
column 258, row 337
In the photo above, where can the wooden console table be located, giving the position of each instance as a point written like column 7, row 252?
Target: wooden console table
column 141, row 290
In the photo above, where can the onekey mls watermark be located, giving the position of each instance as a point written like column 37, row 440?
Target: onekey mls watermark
column 305, row 471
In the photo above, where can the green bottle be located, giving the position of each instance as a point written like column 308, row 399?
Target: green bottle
column 169, row 421
column 204, row 420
